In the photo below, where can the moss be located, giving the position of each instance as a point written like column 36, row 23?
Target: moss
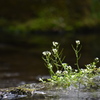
column 21, row 90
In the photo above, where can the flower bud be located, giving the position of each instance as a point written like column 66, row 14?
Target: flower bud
column 77, row 42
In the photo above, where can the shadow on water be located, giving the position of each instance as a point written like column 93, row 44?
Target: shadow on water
column 23, row 64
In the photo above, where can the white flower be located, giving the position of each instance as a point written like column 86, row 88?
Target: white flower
column 77, row 42
column 88, row 66
column 87, row 71
column 55, row 43
column 65, row 72
column 40, row 79
column 97, row 59
column 69, row 67
column 58, row 72
column 76, row 70
column 54, row 51
column 46, row 53
column 72, row 76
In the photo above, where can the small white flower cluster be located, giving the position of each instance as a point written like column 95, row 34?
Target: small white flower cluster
column 86, row 71
column 48, row 53
column 89, row 66
column 66, row 66
column 45, row 53
column 69, row 67
column 55, row 43
column 77, row 42
column 65, row 72
column 58, row 72
column 83, row 70
column 96, row 59
column 54, row 51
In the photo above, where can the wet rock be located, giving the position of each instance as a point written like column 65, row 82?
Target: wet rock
column 47, row 90
column 16, row 92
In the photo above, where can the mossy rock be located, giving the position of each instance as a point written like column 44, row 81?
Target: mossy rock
column 37, row 89
column 17, row 91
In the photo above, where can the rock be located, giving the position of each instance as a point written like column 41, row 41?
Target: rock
column 17, row 92
column 48, row 90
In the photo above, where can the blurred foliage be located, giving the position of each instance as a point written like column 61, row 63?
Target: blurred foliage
column 24, row 16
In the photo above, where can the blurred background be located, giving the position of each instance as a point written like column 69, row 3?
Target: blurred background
column 28, row 27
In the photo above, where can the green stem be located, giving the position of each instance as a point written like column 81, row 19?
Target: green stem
column 77, row 60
